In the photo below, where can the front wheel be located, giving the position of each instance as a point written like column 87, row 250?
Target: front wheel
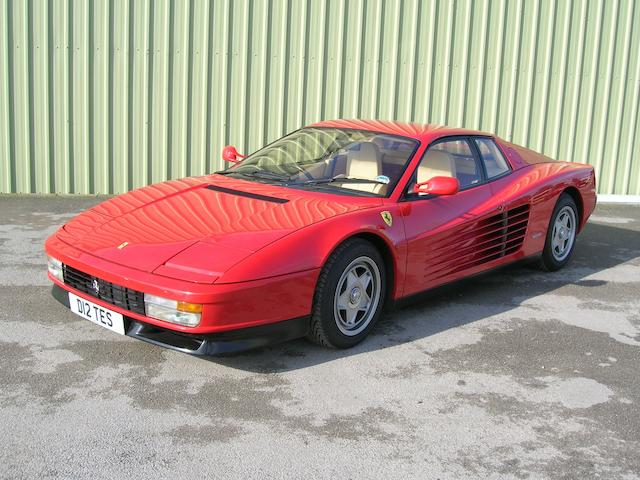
column 561, row 234
column 349, row 296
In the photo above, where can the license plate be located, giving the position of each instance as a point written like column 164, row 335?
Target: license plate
column 95, row 313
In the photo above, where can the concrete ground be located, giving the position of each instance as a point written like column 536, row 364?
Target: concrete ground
column 517, row 374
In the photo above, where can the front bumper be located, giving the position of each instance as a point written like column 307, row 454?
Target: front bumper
column 226, row 306
column 222, row 343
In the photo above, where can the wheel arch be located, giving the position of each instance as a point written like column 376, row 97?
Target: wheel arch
column 574, row 193
column 383, row 247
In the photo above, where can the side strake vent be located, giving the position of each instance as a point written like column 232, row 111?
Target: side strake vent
column 239, row 193
column 479, row 242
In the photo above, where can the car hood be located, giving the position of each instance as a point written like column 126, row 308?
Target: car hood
column 197, row 228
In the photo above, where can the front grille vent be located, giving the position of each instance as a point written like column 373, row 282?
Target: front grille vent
column 122, row 297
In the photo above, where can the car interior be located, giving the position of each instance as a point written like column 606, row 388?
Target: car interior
column 379, row 157
column 436, row 163
column 365, row 162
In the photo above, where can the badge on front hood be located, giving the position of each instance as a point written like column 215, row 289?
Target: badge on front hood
column 386, row 216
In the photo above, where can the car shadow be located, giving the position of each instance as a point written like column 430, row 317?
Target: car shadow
column 599, row 247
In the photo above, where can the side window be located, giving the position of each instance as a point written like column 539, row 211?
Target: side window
column 494, row 161
column 451, row 158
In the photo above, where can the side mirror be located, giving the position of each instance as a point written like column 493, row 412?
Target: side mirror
column 438, row 186
column 230, row 154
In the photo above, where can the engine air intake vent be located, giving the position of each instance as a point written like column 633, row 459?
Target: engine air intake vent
column 479, row 242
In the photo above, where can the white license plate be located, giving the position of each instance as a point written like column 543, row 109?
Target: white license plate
column 95, row 313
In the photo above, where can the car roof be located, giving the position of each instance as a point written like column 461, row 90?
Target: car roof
column 420, row 131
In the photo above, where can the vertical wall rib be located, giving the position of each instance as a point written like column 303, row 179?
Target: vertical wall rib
column 102, row 97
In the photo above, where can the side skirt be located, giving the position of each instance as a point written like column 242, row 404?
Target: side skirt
column 431, row 292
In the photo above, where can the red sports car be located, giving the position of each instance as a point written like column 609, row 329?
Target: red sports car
column 314, row 234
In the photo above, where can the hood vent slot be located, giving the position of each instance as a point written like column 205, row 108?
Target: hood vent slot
column 239, row 193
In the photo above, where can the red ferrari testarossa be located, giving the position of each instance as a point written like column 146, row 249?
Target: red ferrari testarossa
column 314, row 234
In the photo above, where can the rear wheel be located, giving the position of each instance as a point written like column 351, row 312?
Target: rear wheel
column 349, row 296
column 561, row 234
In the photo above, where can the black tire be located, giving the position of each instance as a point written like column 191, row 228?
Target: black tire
column 325, row 319
column 550, row 260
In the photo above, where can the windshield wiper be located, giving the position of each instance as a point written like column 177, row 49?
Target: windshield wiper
column 269, row 175
column 340, row 179
column 258, row 174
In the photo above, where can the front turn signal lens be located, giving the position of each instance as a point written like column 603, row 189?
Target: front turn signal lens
column 189, row 307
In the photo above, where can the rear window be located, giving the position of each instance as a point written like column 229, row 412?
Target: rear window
column 494, row 162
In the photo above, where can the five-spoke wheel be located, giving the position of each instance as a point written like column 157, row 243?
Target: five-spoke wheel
column 561, row 234
column 349, row 296
column 357, row 296
column 564, row 233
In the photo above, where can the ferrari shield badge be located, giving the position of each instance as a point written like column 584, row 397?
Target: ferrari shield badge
column 386, row 216
column 96, row 286
column 122, row 245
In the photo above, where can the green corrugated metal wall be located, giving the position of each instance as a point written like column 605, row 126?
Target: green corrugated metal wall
column 107, row 96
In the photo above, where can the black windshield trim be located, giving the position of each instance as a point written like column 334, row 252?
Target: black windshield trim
column 240, row 193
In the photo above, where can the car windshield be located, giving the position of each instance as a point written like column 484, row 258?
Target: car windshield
column 351, row 161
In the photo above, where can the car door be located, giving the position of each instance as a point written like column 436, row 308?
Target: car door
column 449, row 236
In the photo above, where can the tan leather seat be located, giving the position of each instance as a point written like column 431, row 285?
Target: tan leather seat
column 436, row 164
column 365, row 162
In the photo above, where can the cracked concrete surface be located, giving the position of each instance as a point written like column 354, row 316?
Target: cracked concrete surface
column 515, row 374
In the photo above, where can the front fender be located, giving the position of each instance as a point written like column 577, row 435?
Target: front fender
column 310, row 247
